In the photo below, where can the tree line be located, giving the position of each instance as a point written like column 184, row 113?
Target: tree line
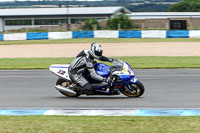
column 132, row 5
column 186, row 6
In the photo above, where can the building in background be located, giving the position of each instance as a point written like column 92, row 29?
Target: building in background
column 167, row 20
column 59, row 19
column 14, row 19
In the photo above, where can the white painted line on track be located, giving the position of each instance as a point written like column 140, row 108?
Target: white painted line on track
column 111, row 112
column 92, row 112
column 141, row 112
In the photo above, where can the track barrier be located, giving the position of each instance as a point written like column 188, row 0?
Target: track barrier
column 83, row 34
column 153, row 34
column 106, row 34
column 130, row 34
column 37, row 36
column 16, row 36
column 194, row 34
column 1, row 37
column 102, row 34
column 177, row 34
column 60, row 35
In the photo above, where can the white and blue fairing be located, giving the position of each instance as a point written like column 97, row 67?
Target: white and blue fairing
column 122, row 69
column 102, row 69
column 60, row 70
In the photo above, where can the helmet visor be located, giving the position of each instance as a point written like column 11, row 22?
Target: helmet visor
column 98, row 53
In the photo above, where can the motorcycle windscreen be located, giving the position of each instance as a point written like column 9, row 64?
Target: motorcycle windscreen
column 102, row 69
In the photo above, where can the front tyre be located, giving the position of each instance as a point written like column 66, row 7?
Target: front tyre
column 133, row 90
column 65, row 83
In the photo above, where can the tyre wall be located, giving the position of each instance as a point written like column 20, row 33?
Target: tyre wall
column 102, row 34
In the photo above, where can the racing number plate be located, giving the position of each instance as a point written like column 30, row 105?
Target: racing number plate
column 61, row 72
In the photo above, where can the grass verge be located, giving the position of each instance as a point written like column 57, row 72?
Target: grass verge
column 98, row 124
column 100, row 40
column 136, row 62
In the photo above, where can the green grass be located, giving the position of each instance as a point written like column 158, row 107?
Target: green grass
column 98, row 124
column 100, row 40
column 136, row 62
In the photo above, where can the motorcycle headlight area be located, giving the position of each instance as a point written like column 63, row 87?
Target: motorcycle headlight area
column 117, row 66
column 128, row 69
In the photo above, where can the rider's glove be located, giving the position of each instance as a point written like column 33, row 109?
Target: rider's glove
column 94, row 62
column 111, row 59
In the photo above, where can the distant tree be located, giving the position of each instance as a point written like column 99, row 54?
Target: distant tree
column 186, row 6
column 90, row 23
column 122, row 19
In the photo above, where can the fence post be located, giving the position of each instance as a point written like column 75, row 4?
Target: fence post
column 119, row 26
column 95, row 27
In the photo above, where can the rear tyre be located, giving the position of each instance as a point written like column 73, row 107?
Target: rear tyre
column 65, row 83
column 136, row 90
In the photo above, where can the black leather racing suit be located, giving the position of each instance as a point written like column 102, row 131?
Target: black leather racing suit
column 84, row 61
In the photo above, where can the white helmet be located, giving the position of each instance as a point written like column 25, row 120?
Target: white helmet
column 96, row 50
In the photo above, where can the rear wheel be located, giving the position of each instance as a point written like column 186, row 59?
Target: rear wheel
column 133, row 90
column 65, row 83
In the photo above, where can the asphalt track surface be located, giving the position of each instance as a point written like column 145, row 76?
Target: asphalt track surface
column 165, row 88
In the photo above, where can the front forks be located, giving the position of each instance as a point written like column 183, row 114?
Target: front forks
column 130, row 82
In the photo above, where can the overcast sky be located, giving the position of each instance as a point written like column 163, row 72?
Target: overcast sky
column 14, row 0
column 41, row 0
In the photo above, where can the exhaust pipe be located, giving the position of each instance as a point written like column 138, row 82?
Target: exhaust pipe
column 64, row 89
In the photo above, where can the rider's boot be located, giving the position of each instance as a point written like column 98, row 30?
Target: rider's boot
column 76, row 88
column 87, row 88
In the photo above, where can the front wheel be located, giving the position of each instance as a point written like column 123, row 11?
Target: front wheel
column 133, row 90
column 65, row 83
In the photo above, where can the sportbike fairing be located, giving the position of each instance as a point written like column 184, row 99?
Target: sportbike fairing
column 122, row 69
column 121, row 73
column 61, row 70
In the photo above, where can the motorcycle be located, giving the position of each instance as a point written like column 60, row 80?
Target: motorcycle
column 121, row 73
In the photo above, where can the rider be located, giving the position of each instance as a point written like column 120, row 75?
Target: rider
column 84, row 61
